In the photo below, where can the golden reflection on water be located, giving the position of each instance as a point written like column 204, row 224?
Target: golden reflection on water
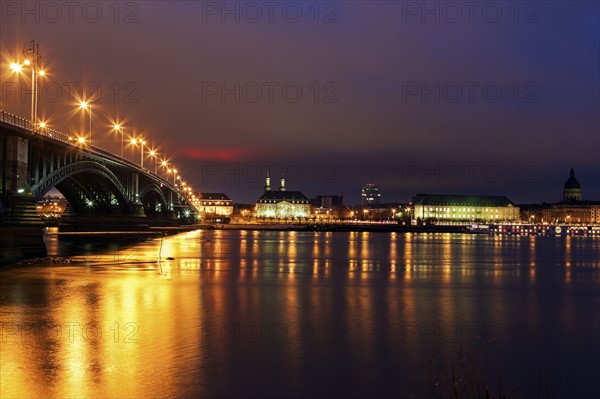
column 145, row 318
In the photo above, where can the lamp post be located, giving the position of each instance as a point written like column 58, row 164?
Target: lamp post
column 174, row 171
column 120, row 129
column 141, row 142
column 32, row 59
column 154, row 155
column 87, row 105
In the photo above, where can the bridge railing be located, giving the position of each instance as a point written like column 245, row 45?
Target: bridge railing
column 54, row 134
column 14, row 120
column 26, row 124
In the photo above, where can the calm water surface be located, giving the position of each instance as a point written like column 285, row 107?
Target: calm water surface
column 272, row 314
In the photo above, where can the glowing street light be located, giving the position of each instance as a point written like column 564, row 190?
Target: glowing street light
column 141, row 142
column 154, row 155
column 117, row 127
column 87, row 105
column 17, row 68
column 31, row 53
column 174, row 171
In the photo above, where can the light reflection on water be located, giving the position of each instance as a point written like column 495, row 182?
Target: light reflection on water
column 255, row 314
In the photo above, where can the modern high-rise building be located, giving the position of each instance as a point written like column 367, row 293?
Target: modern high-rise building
column 371, row 195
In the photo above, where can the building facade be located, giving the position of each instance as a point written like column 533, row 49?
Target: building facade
column 571, row 213
column 571, row 210
column 464, row 208
column 282, row 204
column 328, row 206
column 370, row 195
column 214, row 205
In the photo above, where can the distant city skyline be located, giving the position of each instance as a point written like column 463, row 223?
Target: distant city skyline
column 362, row 92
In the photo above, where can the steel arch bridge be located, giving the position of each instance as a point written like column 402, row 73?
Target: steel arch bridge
column 101, row 188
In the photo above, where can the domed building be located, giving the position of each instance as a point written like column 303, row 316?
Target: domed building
column 571, row 210
column 571, row 189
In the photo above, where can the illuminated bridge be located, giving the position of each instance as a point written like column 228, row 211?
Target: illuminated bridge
column 104, row 191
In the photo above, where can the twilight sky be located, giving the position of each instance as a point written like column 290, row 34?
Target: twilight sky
column 437, row 97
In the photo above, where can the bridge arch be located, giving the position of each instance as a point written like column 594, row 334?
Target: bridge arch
column 153, row 200
column 82, row 183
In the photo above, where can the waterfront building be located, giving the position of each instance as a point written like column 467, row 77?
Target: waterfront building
column 571, row 212
column 370, row 195
column 464, row 208
column 572, row 208
column 51, row 207
column 282, row 203
column 214, row 205
column 328, row 206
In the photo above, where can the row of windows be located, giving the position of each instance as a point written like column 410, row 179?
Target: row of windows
column 476, row 209
column 230, row 203
column 277, row 201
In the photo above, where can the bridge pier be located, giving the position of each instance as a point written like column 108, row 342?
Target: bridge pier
column 21, row 230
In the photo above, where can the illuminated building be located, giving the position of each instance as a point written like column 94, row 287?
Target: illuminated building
column 214, row 205
column 282, row 203
column 370, row 195
column 572, row 209
column 328, row 206
column 464, row 208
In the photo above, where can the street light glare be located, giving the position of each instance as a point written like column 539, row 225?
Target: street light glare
column 133, row 141
column 27, row 62
column 16, row 67
column 42, row 73
column 42, row 124
column 81, row 140
column 83, row 105
column 117, row 126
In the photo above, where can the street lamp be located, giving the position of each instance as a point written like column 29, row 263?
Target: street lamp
column 32, row 59
column 141, row 142
column 117, row 127
column 87, row 105
column 174, row 171
column 154, row 155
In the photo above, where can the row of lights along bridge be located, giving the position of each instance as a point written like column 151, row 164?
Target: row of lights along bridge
column 32, row 60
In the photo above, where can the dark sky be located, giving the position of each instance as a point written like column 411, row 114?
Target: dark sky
column 415, row 97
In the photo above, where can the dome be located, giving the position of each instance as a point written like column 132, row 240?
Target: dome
column 572, row 182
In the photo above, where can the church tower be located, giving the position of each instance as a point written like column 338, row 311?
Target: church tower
column 571, row 189
column 282, row 184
